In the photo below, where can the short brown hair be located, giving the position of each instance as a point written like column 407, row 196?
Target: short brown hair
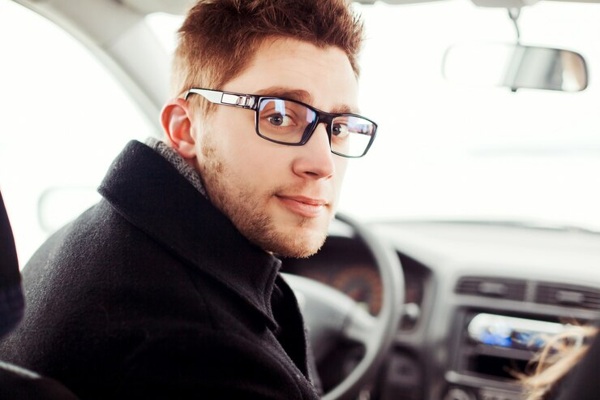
column 219, row 37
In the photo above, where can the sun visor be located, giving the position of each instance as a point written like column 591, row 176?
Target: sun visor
column 176, row 7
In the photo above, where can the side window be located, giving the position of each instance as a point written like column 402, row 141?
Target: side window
column 64, row 119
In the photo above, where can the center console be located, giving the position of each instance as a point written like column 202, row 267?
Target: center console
column 492, row 350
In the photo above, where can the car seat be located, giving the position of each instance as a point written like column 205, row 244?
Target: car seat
column 583, row 381
column 18, row 383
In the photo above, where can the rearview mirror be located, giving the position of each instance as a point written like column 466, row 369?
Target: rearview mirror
column 516, row 67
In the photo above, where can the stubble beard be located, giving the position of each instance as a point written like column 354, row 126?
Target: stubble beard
column 245, row 208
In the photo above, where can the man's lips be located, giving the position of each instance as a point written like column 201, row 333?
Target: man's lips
column 308, row 207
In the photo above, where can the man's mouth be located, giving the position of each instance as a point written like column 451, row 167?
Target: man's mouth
column 308, row 207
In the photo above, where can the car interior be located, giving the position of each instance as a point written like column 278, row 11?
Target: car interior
column 460, row 246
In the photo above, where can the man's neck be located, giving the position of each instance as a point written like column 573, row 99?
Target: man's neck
column 178, row 162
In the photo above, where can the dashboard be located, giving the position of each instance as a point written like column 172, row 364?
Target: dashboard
column 348, row 268
column 478, row 298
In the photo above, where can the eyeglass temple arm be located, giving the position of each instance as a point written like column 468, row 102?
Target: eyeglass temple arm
column 218, row 97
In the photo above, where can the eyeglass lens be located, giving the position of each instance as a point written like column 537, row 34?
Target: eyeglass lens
column 286, row 121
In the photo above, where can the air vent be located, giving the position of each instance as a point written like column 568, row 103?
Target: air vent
column 568, row 295
column 492, row 287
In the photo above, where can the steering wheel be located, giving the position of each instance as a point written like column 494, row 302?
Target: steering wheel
column 332, row 316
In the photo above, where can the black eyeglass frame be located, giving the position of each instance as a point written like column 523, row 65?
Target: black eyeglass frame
column 251, row 102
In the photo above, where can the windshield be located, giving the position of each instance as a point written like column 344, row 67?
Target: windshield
column 449, row 151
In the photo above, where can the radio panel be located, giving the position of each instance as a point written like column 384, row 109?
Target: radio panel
column 511, row 332
column 494, row 350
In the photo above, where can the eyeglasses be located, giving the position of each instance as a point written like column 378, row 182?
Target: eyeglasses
column 292, row 123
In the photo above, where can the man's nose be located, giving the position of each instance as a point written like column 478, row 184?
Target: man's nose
column 315, row 159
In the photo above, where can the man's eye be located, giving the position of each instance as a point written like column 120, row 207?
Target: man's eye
column 276, row 120
column 279, row 120
column 340, row 130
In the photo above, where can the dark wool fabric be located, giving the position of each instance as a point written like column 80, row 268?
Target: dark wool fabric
column 153, row 294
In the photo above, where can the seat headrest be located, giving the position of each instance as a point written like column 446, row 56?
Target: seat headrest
column 12, row 303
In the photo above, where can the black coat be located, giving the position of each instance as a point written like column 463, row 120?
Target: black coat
column 153, row 293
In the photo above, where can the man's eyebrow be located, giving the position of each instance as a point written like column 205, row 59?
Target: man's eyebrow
column 301, row 95
column 293, row 94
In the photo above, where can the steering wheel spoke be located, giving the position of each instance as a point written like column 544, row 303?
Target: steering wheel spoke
column 359, row 326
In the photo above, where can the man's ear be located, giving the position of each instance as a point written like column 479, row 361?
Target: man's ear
column 176, row 123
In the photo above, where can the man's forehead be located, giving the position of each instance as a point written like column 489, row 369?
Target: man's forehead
column 305, row 97
column 287, row 67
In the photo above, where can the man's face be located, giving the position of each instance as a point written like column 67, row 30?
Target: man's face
column 281, row 198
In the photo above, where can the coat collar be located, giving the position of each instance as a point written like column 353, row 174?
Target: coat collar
column 149, row 192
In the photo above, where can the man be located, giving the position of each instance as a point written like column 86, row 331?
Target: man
column 170, row 286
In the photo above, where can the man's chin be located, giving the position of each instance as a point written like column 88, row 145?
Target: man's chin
column 299, row 243
column 287, row 235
